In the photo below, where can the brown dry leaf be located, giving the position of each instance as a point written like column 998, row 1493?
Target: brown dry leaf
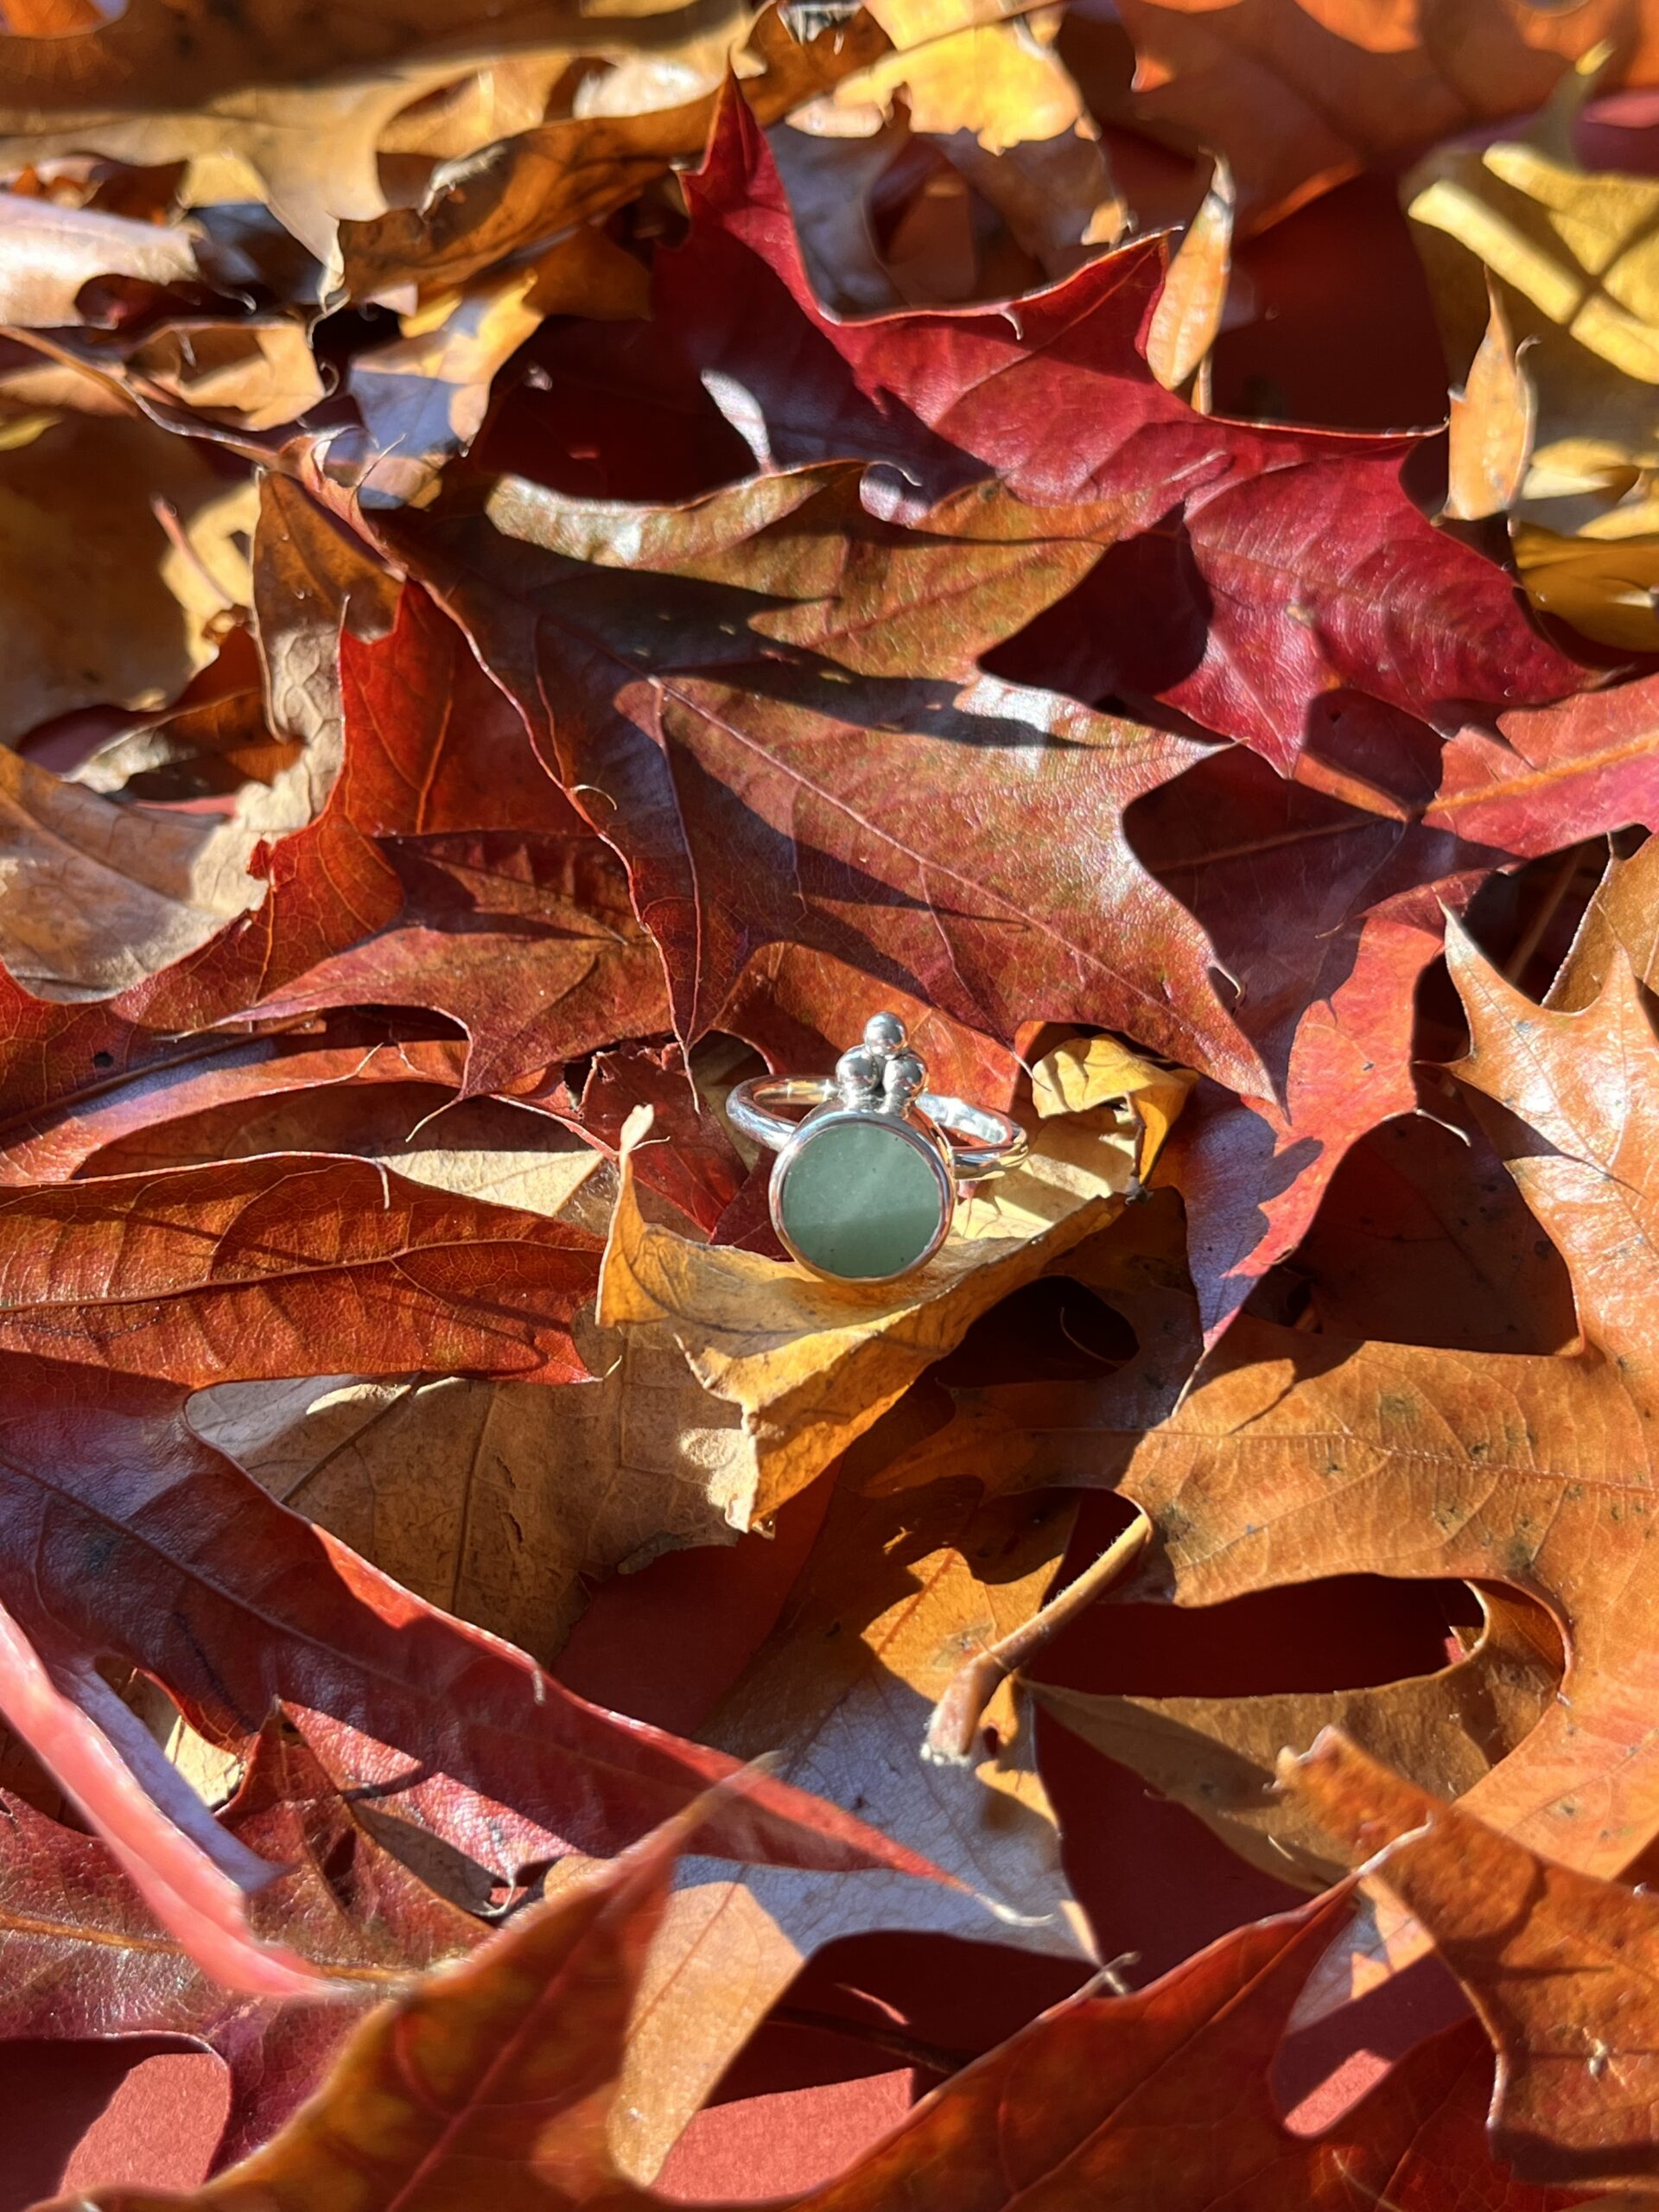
column 577, row 169
column 1493, row 425
column 1186, row 320
column 98, row 605
column 1215, row 1755
column 95, row 896
column 1300, row 94
column 1623, row 918
column 423, row 398
column 812, row 1365
column 497, row 1504
column 895, row 1594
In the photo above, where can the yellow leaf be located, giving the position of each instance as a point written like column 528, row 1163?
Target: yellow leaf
column 1187, row 317
column 1603, row 586
column 1088, row 1073
column 1493, row 420
column 810, row 1364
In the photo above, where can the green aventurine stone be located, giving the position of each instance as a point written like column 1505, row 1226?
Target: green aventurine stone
column 860, row 1201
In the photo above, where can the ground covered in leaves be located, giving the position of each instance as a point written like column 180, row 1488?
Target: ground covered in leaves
column 549, row 565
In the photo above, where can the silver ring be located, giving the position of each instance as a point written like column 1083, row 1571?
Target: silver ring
column 866, row 1178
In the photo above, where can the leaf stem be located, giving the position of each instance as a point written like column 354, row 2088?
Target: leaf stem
column 953, row 1731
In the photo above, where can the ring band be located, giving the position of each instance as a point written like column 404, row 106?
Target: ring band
column 1000, row 1142
column 865, row 1183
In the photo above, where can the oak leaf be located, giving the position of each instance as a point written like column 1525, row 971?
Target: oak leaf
column 83, row 1958
column 759, row 689
column 504, row 2066
column 1249, row 571
column 893, row 1595
column 1559, row 1965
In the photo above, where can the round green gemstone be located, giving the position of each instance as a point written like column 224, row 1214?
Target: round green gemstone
column 860, row 1199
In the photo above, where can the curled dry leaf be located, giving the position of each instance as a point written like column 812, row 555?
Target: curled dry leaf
column 129, row 1539
column 1569, row 259
column 423, row 397
column 1186, row 320
column 809, row 1368
column 1493, row 425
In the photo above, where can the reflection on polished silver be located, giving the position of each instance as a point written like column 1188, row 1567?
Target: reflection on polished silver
column 866, row 1176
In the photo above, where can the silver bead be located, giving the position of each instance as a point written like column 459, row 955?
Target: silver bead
column 885, row 1033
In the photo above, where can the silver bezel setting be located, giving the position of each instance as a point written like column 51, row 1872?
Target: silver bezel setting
column 919, row 1134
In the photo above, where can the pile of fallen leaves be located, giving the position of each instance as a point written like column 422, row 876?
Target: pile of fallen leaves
column 556, row 557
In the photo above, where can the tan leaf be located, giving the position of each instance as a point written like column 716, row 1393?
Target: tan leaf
column 810, row 1364
column 1089, row 1072
column 1215, row 1755
column 98, row 605
column 1622, row 917
column 1493, row 421
column 1186, row 320
column 895, row 1594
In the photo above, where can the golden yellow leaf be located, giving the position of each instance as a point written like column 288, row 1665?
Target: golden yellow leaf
column 1603, row 586
column 1187, row 317
column 1494, row 418
column 1088, row 1073
column 812, row 1364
